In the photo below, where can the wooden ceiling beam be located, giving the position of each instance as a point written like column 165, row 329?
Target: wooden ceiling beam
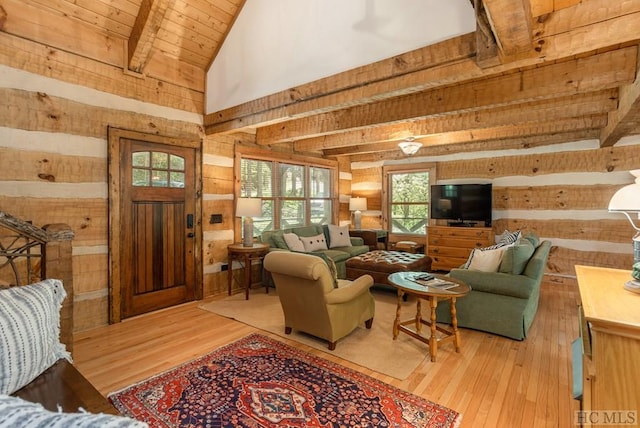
column 510, row 22
column 517, row 143
column 595, row 24
column 486, row 134
column 535, row 111
column 597, row 72
column 487, row 50
column 413, row 71
column 144, row 32
column 428, row 68
column 625, row 119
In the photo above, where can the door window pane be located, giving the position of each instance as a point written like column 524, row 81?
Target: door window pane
column 155, row 168
column 176, row 163
column 159, row 160
column 177, row 179
column 141, row 159
column 159, row 179
column 141, row 177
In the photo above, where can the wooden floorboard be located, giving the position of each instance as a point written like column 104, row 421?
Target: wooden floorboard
column 493, row 381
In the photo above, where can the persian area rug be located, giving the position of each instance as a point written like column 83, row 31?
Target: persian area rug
column 372, row 348
column 261, row 382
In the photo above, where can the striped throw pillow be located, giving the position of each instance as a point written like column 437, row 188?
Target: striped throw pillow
column 29, row 332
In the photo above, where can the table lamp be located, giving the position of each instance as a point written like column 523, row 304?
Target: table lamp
column 357, row 205
column 627, row 202
column 248, row 208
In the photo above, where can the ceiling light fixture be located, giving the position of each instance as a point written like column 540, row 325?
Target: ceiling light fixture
column 409, row 146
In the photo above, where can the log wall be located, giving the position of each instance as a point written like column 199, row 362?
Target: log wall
column 560, row 191
column 56, row 108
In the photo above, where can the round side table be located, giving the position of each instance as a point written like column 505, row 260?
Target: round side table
column 246, row 255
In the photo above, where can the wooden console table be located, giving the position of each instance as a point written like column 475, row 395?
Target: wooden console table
column 246, row 255
column 610, row 333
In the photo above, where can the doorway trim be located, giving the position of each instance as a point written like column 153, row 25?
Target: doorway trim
column 114, row 136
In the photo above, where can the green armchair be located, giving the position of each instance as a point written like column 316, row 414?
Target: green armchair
column 314, row 302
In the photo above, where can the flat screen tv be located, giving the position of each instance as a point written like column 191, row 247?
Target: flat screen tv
column 462, row 204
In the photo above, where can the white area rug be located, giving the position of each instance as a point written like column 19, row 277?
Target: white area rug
column 374, row 348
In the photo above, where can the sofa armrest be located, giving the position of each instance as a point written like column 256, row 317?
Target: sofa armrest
column 505, row 284
column 355, row 241
column 345, row 294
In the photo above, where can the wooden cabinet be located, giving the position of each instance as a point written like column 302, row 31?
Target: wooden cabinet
column 449, row 247
column 610, row 330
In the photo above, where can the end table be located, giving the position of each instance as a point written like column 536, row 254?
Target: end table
column 246, row 255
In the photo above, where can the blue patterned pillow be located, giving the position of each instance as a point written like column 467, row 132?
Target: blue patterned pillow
column 18, row 413
column 29, row 332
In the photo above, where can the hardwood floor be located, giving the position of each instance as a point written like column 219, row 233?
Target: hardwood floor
column 493, row 381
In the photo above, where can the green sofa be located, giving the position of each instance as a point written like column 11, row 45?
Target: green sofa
column 499, row 302
column 339, row 254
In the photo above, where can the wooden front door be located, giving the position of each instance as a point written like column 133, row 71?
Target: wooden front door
column 157, row 233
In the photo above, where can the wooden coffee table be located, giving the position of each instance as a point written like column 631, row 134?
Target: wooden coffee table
column 404, row 282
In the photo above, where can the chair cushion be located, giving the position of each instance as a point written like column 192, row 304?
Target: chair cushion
column 29, row 332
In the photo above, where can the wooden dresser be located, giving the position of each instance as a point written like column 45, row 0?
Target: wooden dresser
column 610, row 332
column 449, row 247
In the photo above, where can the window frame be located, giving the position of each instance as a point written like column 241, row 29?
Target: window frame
column 245, row 152
column 387, row 172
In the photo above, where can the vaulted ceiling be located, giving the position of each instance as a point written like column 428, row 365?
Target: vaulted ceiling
column 534, row 72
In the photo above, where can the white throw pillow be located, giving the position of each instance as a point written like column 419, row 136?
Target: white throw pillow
column 486, row 260
column 29, row 332
column 339, row 236
column 293, row 242
column 18, row 413
column 314, row 243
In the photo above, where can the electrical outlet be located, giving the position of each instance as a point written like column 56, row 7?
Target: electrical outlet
column 224, row 267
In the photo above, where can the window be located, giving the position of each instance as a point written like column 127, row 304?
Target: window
column 408, row 199
column 292, row 194
column 157, row 169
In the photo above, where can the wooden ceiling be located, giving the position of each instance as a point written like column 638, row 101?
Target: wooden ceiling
column 535, row 72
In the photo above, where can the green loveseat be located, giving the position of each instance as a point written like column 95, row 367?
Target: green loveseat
column 275, row 239
column 500, row 303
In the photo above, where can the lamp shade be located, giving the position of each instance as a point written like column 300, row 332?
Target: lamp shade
column 249, row 207
column 358, row 204
column 627, row 199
